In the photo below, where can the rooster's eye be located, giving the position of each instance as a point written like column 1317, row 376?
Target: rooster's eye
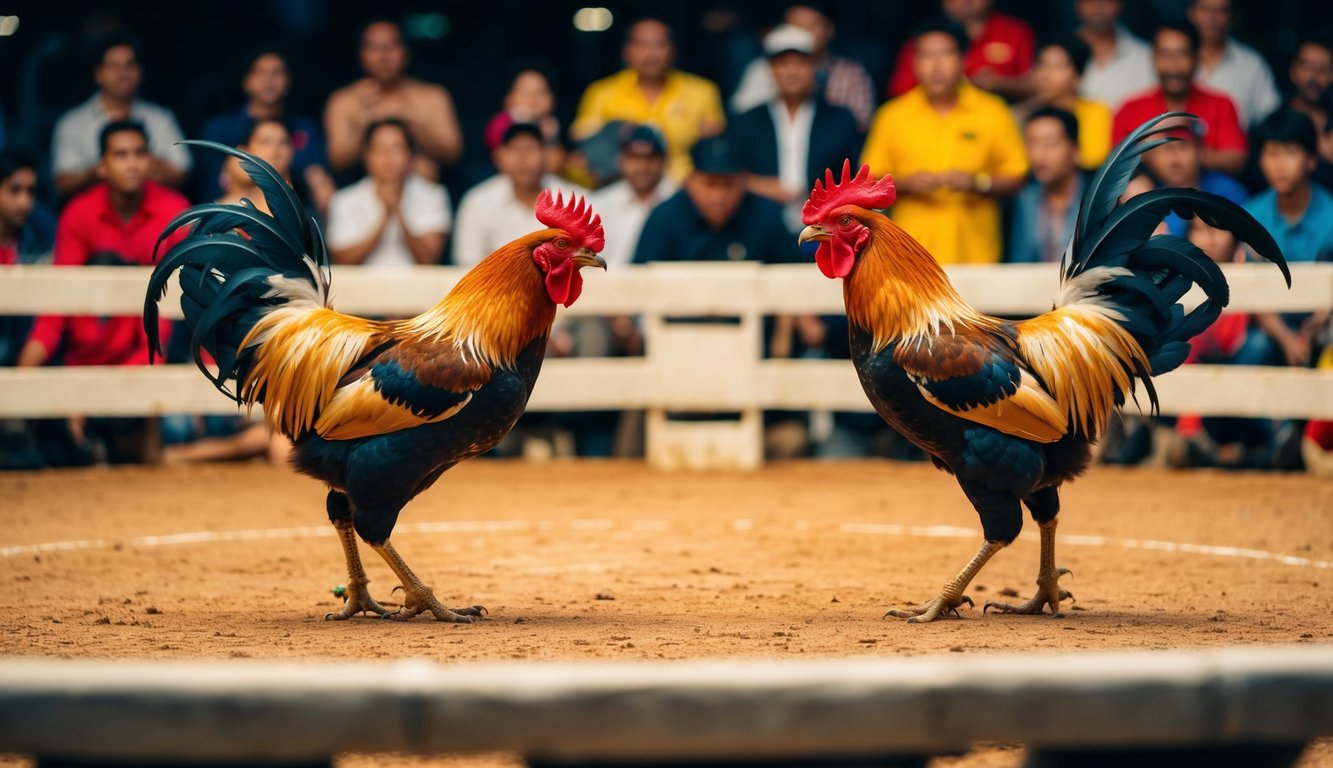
column 845, row 221
column 561, row 244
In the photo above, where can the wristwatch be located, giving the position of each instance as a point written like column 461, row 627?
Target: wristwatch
column 982, row 183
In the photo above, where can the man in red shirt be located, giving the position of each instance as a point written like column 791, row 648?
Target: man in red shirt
column 998, row 57
column 1175, row 54
column 116, row 222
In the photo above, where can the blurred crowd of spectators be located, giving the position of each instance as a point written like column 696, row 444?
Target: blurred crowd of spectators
column 989, row 132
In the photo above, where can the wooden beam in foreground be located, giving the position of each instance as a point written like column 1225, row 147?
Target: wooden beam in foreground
column 641, row 712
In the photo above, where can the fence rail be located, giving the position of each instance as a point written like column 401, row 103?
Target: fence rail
column 687, row 367
column 1015, row 289
column 670, row 711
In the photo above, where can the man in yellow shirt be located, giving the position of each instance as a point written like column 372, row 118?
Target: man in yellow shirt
column 953, row 149
column 684, row 107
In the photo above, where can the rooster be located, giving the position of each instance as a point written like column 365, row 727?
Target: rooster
column 1011, row 409
column 377, row 410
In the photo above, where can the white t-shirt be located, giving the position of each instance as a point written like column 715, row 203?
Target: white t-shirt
column 793, row 137
column 623, row 215
column 355, row 212
column 489, row 216
column 74, row 143
column 1243, row 75
column 1128, row 72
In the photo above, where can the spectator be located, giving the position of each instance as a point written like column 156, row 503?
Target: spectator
column 1311, row 77
column 26, row 230
column 997, row 51
column 650, row 90
column 26, row 226
column 624, row 207
column 25, row 238
column 269, row 139
column 392, row 217
column 386, row 91
column 501, row 208
column 531, row 100
column 1121, row 63
column 1056, row 78
column 266, row 85
column 1175, row 58
column 1229, row 66
column 1047, row 207
column 1180, row 164
column 714, row 217
column 841, row 81
column 117, row 222
column 787, row 143
column 1299, row 214
column 528, row 100
column 76, row 158
column 953, row 150
column 625, row 204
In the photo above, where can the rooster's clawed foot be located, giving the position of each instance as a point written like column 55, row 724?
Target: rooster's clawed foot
column 358, row 601
column 422, row 600
column 931, row 609
column 1048, row 593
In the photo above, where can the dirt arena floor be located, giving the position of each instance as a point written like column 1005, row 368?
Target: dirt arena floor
column 613, row 560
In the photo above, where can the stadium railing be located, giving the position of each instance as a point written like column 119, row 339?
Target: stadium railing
column 1218, row 707
column 688, row 367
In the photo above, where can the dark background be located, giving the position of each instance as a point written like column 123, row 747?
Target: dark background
column 193, row 54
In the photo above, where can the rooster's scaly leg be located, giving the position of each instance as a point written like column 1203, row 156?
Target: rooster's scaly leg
column 358, row 597
column 418, row 596
column 1048, row 581
column 952, row 595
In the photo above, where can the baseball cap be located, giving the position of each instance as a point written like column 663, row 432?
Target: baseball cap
column 715, row 155
column 601, row 150
column 786, row 38
column 643, row 139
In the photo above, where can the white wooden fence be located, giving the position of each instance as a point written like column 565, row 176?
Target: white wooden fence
column 688, row 367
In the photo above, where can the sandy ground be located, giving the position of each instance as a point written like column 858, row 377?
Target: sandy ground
column 613, row 560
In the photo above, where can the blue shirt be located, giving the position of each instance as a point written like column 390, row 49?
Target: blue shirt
column 1216, row 183
column 1311, row 237
column 1032, row 238
column 675, row 231
column 230, row 129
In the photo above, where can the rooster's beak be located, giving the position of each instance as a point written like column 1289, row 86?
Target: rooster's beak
column 813, row 232
column 586, row 258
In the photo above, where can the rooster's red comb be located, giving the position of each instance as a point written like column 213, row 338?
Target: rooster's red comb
column 574, row 216
column 862, row 190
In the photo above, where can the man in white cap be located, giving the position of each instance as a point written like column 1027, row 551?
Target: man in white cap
column 842, row 81
column 787, row 142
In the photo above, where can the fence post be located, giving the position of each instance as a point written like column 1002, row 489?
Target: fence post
column 704, row 357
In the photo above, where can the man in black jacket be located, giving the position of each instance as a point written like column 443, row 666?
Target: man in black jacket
column 787, row 143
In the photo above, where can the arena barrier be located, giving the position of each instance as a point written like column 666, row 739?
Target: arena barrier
column 689, row 367
column 1234, row 706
